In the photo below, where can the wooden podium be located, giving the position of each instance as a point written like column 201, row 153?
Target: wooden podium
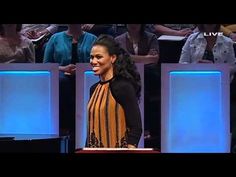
column 29, row 114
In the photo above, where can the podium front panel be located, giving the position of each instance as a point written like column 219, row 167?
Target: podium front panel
column 29, row 99
column 116, row 151
column 195, row 108
column 85, row 78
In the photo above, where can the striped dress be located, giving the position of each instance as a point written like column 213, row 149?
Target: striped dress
column 108, row 125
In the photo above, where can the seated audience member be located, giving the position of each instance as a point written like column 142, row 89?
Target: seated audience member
column 143, row 48
column 229, row 30
column 15, row 48
column 68, row 48
column 59, row 47
column 140, row 44
column 39, row 34
column 203, row 48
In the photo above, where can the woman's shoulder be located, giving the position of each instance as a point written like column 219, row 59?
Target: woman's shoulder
column 121, row 36
column 121, row 83
column 89, row 35
column 225, row 39
column 59, row 35
column 194, row 36
column 122, row 89
column 95, row 85
column 149, row 34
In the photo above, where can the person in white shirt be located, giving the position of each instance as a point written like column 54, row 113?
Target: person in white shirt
column 204, row 47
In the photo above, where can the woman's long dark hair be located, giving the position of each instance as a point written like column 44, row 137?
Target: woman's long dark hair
column 124, row 66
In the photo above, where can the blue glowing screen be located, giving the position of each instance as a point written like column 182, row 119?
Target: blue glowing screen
column 25, row 103
column 196, row 122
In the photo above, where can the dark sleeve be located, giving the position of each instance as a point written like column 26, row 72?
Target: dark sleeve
column 124, row 93
column 92, row 88
column 154, row 45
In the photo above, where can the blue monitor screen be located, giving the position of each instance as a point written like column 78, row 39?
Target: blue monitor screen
column 25, row 103
column 196, row 122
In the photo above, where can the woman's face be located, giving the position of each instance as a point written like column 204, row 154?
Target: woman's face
column 209, row 27
column 74, row 26
column 102, row 61
column 134, row 28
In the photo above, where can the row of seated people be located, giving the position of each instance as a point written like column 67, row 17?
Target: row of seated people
column 35, row 31
column 74, row 45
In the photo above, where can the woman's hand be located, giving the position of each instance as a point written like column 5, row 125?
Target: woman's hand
column 205, row 61
column 131, row 146
column 68, row 69
column 87, row 27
